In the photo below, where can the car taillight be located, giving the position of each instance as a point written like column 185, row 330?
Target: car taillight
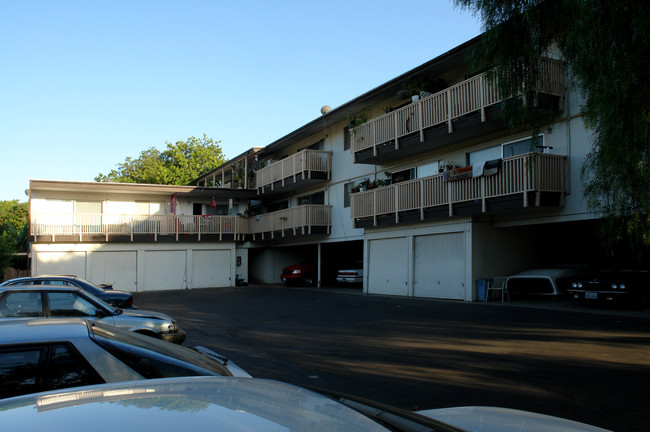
column 129, row 301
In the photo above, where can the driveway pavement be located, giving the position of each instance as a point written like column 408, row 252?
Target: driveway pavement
column 586, row 364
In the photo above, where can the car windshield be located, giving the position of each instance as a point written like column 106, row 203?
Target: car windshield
column 154, row 358
column 91, row 286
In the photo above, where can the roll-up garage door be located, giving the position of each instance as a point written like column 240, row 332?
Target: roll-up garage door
column 116, row 267
column 439, row 265
column 164, row 270
column 388, row 266
column 68, row 263
column 210, row 268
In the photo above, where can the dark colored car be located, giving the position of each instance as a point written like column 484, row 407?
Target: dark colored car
column 624, row 286
column 300, row 274
column 119, row 299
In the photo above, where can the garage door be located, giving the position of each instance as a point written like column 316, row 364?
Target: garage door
column 69, row 263
column 118, row 268
column 164, row 270
column 210, row 268
column 439, row 266
column 388, row 266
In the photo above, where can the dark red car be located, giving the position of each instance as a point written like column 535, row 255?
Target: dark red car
column 300, row 274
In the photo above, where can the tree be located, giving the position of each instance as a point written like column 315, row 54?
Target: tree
column 179, row 164
column 12, row 215
column 605, row 45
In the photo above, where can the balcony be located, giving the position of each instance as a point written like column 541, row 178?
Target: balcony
column 296, row 221
column 466, row 110
column 530, row 180
column 298, row 170
column 139, row 228
column 309, row 219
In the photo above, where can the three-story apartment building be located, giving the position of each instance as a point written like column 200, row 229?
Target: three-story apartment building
column 432, row 192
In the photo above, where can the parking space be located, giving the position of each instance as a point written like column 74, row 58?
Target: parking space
column 555, row 358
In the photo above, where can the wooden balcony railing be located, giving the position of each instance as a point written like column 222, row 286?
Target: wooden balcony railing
column 83, row 226
column 87, row 227
column 472, row 95
column 297, row 220
column 532, row 172
column 305, row 162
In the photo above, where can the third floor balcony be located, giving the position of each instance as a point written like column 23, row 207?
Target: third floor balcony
column 294, row 172
column 463, row 111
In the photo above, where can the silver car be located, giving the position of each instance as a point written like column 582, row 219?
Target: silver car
column 38, row 355
column 229, row 404
column 57, row 302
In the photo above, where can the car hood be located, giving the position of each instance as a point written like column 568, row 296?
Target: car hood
column 484, row 419
column 197, row 403
column 137, row 313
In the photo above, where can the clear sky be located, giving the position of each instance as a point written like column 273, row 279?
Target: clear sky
column 84, row 84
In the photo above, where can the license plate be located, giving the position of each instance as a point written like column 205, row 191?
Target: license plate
column 591, row 295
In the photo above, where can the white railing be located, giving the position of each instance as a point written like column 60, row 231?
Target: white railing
column 472, row 95
column 300, row 219
column 305, row 161
column 532, row 172
column 83, row 225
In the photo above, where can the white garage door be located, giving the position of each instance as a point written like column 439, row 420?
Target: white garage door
column 388, row 266
column 164, row 270
column 439, row 266
column 118, row 268
column 68, row 263
column 210, row 268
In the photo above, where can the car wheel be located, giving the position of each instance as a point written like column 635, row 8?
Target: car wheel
column 309, row 281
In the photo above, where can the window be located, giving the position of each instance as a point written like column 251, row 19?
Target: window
column 484, row 155
column 317, row 198
column 69, row 304
column 346, row 138
column 403, row 175
column 428, row 169
column 34, row 368
column 524, row 146
column 347, row 189
column 21, row 304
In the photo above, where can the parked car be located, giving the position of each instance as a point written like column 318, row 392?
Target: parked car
column 300, row 274
column 545, row 282
column 119, row 299
column 623, row 286
column 39, row 355
column 43, row 301
column 352, row 273
column 237, row 404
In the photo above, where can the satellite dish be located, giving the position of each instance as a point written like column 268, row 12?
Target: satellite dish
column 325, row 109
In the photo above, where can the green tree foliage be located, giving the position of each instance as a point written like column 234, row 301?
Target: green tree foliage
column 179, row 164
column 14, row 232
column 605, row 45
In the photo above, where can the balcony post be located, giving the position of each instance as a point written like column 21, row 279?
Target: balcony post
column 525, row 175
column 450, row 116
column 396, row 129
column 420, row 120
column 449, row 197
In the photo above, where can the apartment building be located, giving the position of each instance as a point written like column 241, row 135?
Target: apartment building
column 419, row 178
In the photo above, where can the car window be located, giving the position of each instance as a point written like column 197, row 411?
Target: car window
column 55, row 282
column 67, row 368
column 153, row 358
column 69, row 304
column 34, row 368
column 21, row 304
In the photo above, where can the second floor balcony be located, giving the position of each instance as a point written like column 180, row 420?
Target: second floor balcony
column 298, row 170
column 90, row 228
column 463, row 111
column 525, row 181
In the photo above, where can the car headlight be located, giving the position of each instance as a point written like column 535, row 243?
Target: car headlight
column 576, row 284
column 172, row 327
column 614, row 286
column 621, row 286
column 296, row 271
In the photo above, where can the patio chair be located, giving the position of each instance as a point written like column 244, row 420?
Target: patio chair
column 499, row 283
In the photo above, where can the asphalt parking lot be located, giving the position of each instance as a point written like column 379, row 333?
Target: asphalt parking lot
column 558, row 358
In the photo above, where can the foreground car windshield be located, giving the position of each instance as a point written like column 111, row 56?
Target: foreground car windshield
column 153, row 358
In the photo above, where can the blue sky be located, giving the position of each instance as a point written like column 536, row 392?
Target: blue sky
column 84, row 84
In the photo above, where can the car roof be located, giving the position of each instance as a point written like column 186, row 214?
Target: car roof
column 41, row 288
column 549, row 272
column 234, row 404
column 24, row 330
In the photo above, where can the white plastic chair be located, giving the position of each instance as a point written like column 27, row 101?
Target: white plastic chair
column 499, row 283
